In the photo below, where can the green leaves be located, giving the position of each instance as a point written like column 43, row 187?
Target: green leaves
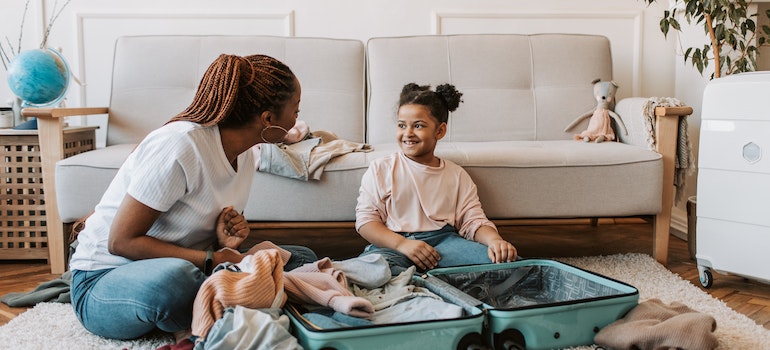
column 734, row 38
column 669, row 21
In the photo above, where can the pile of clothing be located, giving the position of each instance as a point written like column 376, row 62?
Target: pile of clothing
column 242, row 303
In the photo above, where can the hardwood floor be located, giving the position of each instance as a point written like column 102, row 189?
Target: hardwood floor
column 533, row 238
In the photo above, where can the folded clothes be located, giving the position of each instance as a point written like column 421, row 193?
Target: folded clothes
column 398, row 289
column 368, row 271
column 655, row 325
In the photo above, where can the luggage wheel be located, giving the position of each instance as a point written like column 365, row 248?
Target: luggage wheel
column 706, row 278
column 510, row 339
column 472, row 341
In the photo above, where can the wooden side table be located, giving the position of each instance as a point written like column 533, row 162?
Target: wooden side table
column 23, row 232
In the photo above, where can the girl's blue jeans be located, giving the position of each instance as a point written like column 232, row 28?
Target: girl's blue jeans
column 129, row 301
column 453, row 249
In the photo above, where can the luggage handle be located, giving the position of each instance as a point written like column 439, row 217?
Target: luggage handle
column 516, row 275
column 451, row 294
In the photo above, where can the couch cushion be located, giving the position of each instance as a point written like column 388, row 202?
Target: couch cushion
column 155, row 77
column 515, row 87
column 83, row 178
column 516, row 179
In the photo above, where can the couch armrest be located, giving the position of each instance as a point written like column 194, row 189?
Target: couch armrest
column 666, row 128
column 51, row 136
column 666, row 137
column 47, row 113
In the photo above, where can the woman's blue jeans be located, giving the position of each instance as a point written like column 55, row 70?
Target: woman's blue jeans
column 129, row 301
column 453, row 249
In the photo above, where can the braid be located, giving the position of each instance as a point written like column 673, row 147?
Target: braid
column 445, row 99
column 235, row 88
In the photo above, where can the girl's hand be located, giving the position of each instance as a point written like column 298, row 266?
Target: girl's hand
column 227, row 255
column 232, row 228
column 501, row 251
column 422, row 254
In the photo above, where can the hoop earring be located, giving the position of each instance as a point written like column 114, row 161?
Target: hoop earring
column 262, row 134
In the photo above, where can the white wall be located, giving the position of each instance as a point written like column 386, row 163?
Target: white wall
column 86, row 29
column 645, row 64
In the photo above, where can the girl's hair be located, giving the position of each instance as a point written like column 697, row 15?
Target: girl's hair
column 234, row 88
column 445, row 99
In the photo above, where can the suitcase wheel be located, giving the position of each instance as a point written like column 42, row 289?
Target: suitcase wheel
column 706, row 278
column 510, row 339
column 472, row 341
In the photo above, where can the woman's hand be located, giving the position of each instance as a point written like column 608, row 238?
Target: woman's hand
column 232, row 228
column 422, row 254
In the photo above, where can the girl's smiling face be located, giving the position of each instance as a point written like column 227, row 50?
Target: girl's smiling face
column 418, row 133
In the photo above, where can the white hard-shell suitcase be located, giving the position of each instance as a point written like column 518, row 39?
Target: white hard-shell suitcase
column 733, row 213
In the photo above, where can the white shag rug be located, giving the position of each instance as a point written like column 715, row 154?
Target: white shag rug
column 54, row 326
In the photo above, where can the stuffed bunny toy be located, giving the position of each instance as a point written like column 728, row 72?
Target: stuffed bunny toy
column 600, row 125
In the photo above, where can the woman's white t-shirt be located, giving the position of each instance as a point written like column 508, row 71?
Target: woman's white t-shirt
column 180, row 170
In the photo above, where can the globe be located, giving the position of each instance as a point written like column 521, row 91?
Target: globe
column 40, row 78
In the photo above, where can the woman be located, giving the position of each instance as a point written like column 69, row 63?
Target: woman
column 173, row 210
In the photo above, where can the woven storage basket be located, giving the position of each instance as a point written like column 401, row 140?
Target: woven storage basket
column 23, row 233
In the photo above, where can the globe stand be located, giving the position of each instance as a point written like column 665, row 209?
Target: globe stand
column 30, row 124
column 21, row 122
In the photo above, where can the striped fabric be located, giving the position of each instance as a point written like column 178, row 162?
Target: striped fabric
column 263, row 288
column 261, row 285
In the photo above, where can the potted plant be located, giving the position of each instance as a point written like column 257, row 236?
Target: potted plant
column 734, row 36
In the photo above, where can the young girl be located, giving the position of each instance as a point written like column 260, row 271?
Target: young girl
column 417, row 209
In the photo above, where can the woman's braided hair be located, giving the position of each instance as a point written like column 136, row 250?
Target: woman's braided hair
column 234, row 89
column 445, row 99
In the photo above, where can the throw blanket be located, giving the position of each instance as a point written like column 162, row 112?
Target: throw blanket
column 57, row 290
column 655, row 325
column 306, row 159
column 684, row 164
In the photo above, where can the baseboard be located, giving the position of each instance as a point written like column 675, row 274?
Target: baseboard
column 679, row 226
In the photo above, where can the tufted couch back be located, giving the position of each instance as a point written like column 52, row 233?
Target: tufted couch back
column 516, row 87
column 156, row 77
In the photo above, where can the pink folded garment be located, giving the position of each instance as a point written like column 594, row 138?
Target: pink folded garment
column 319, row 283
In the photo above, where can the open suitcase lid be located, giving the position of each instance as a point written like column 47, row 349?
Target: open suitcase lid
column 528, row 283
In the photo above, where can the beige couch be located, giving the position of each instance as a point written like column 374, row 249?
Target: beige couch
column 520, row 91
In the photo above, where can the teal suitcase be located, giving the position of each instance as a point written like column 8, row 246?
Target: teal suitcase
column 539, row 303
column 463, row 333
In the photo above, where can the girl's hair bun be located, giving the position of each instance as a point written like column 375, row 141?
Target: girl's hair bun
column 451, row 96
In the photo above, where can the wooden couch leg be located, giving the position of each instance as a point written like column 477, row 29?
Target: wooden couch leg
column 660, row 237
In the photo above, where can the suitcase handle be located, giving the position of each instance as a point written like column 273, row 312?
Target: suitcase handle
column 451, row 294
